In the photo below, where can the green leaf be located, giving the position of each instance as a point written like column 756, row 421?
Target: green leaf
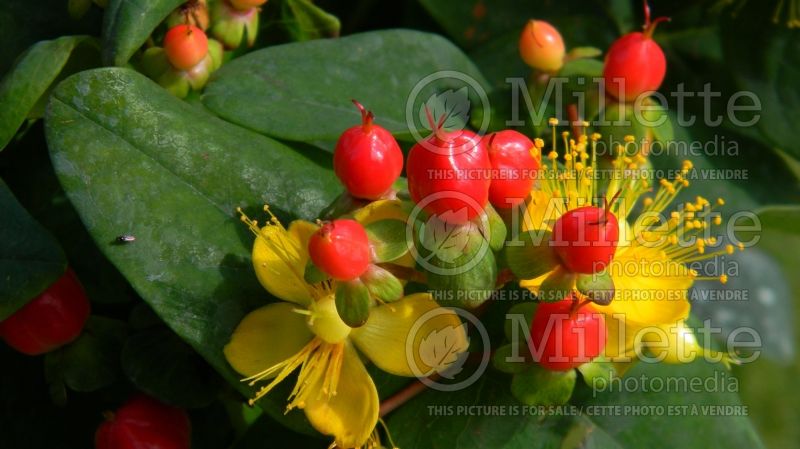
column 693, row 422
column 764, row 58
column 541, row 386
column 23, row 23
column 162, row 365
column 531, row 256
column 30, row 258
column 92, row 361
column 353, row 302
column 388, row 240
column 128, row 24
column 310, row 21
column 465, row 419
column 279, row 91
column 134, row 159
column 30, row 79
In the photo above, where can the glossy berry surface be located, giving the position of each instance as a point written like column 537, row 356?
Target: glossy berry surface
column 635, row 64
column 341, row 249
column 367, row 158
column 185, row 46
column 244, row 5
column 513, row 168
column 145, row 423
column 564, row 336
column 453, row 171
column 49, row 321
column 585, row 239
column 541, row 46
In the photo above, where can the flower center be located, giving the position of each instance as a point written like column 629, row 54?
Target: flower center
column 324, row 321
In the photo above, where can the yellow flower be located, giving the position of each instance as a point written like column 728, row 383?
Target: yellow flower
column 650, row 273
column 304, row 333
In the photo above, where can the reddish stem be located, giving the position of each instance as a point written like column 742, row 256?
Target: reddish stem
column 401, row 397
column 367, row 117
column 650, row 26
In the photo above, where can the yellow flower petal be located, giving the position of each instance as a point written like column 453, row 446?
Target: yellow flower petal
column 649, row 287
column 350, row 415
column 541, row 211
column 381, row 210
column 383, row 338
column 266, row 337
column 279, row 259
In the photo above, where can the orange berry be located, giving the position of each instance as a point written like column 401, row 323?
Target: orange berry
column 186, row 46
column 541, row 46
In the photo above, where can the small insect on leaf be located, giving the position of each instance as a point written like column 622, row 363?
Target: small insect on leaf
column 125, row 238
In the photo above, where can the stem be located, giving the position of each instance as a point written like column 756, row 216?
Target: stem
column 650, row 26
column 572, row 112
column 367, row 117
column 401, row 397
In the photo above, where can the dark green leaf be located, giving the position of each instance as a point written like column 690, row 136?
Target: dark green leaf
column 765, row 60
column 23, row 23
column 128, row 23
column 32, row 77
column 92, row 361
column 30, row 258
column 134, row 159
column 162, row 365
column 279, row 91
column 311, row 21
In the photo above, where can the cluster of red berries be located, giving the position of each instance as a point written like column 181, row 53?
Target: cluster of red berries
column 634, row 65
column 449, row 172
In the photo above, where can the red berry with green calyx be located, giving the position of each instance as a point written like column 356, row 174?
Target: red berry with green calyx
column 450, row 173
column 144, row 423
column 541, row 46
column 566, row 334
column 185, row 46
column 341, row 249
column 635, row 64
column 513, row 168
column 585, row 239
column 49, row 321
column 367, row 158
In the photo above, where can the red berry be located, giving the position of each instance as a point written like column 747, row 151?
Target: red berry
column 565, row 336
column 367, row 158
column 244, row 5
column 513, row 168
column 145, row 423
column 586, row 238
column 455, row 167
column 541, row 46
column 636, row 59
column 341, row 249
column 49, row 321
column 185, row 46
